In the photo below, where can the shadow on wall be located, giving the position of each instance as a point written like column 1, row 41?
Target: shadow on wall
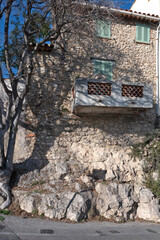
column 48, row 116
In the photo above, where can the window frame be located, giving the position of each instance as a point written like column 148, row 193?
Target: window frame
column 109, row 76
column 102, row 24
column 143, row 28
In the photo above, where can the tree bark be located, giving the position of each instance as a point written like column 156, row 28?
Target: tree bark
column 5, row 176
column 2, row 156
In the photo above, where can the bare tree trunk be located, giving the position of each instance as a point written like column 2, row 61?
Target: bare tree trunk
column 2, row 156
column 5, row 174
column 12, row 135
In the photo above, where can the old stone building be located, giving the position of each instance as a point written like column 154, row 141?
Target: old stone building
column 86, row 108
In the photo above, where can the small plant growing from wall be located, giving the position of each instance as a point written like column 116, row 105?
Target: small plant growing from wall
column 149, row 152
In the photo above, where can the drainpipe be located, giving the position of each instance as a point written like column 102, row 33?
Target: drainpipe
column 158, row 72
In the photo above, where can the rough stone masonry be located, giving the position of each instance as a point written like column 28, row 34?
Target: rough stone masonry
column 75, row 167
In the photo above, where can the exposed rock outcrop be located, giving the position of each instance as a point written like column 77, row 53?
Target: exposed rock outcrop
column 126, row 201
column 110, row 184
column 148, row 206
column 73, row 206
column 115, row 201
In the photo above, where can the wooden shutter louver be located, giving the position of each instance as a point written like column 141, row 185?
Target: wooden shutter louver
column 103, row 67
column 139, row 33
column 142, row 33
column 146, row 34
column 103, row 29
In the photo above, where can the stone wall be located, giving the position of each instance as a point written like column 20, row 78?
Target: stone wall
column 65, row 151
column 49, row 101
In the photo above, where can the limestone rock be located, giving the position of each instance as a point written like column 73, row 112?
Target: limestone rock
column 110, row 175
column 126, row 201
column 78, row 186
column 149, row 211
column 54, row 205
column 27, row 203
column 61, row 170
column 116, row 201
column 145, row 195
column 155, row 175
column 74, row 206
column 148, row 207
column 79, row 206
column 112, row 200
column 85, row 179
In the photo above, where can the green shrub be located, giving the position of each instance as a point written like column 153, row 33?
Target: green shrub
column 5, row 211
column 149, row 151
column 1, row 218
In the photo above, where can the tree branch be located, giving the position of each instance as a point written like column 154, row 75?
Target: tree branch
column 6, row 33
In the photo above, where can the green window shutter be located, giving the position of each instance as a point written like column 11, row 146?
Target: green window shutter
column 99, row 30
column 142, row 33
column 146, row 32
column 103, row 67
column 103, row 29
column 139, row 33
column 108, row 66
column 98, row 67
column 107, row 29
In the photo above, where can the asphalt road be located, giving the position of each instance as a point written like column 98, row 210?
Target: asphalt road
column 16, row 228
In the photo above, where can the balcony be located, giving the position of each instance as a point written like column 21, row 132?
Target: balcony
column 95, row 96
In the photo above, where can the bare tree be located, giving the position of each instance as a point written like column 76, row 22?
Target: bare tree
column 59, row 17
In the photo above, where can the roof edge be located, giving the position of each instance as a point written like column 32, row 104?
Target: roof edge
column 137, row 14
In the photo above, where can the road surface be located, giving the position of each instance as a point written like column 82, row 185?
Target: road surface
column 17, row 228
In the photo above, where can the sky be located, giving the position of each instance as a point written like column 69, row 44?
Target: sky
column 126, row 4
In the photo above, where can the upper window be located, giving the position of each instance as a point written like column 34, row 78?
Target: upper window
column 103, row 29
column 103, row 67
column 142, row 33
